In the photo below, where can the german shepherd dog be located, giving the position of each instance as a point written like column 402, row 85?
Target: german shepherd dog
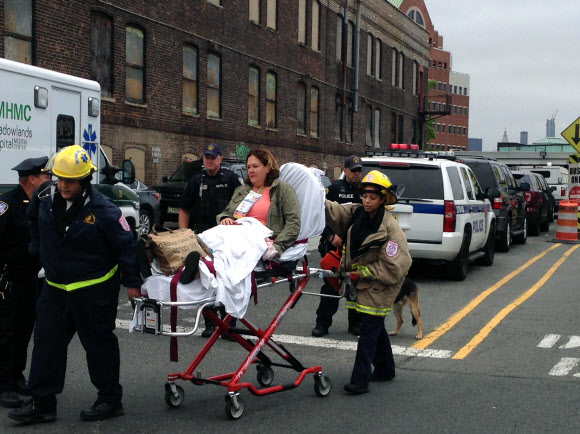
column 409, row 293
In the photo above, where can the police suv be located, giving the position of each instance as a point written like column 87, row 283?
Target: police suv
column 441, row 208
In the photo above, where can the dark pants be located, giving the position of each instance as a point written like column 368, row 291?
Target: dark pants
column 16, row 325
column 373, row 348
column 219, row 311
column 91, row 313
column 329, row 306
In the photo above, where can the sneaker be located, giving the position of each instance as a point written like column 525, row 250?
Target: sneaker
column 34, row 411
column 10, row 399
column 353, row 389
column 209, row 329
column 319, row 331
column 191, row 266
column 102, row 410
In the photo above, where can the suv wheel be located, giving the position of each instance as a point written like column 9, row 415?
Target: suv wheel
column 457, row 269
column 551, row 215
column 489, row 248
column 145, row 222
column 505, row 238
column 521, row 239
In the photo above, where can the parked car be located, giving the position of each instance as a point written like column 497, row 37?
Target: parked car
column 442, row 209
column 509, row 207
column 556, row 177
column 538, row 205
column 149, row 205
column 172, row 187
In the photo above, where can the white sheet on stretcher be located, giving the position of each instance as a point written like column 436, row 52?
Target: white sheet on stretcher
column 236, row 250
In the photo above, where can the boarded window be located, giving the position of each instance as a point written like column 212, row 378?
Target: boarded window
column 213, row 86
column 415, row 77
column 349, row 44
column 215, row 2
column 393, row 128
column 302, row 21
column 378, row 59
column 314, row 112
column 349, row 122
column 369, row 126
column 339, row 37
column 316, row 25
column 400, row 130
column 369, row 54
column 338, row 118
column 190, row 91
column 394, row 68
column 401, row 66
column 301, row 108
column 255, row 11
column 377, row 129
column 271, row 100
column 271, row 14
column 135, row 66
column 254, row 96
column 101, row 52
column 18, row 30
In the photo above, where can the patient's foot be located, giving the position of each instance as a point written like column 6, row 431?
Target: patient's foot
column 190, row 270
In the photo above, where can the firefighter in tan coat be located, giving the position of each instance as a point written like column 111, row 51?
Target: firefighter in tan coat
column 377, row 260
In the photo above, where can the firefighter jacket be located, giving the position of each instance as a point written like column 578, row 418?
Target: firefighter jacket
column 383, row 260
column 283, row 215
column 96, row 243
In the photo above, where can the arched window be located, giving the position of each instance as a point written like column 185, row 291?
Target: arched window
column 314, row 112
column 316, row 25
column 135, row 65
column 137, row 156
column 370, row 44
column 271, row 96
column 378, row 59
column 190, row 90
column 214, row 86
column 300, row 108
column 102, row 52
column 254, row 96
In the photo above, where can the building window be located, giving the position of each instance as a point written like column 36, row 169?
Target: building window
column 302, row 21
column 415, row 78
column 393, row 128
column 438, row 127
column 338, row 38
column 400, row 129
column 301, row 108
column 460, row 90
column 215, row 2
column 272, row 13
column 254, row 96
column 377, row 129
column 444, row 87
column 465, row 111
column 378, row 59
column 338, row 118
column 414, row 126
column 314, row 112
column 135, row 67
column 214, row 86
column 450, row 129
column 190, row 92
column 255, row 11
column 463, row 130
column 350, row 44
column 369, row 54
column 316, row 25
column 369, row 126
column 395, row 69
column 349, row 122
column 18, row 30
column 101, row 52
column 271, row 91
column 445, row 66
column 464, row 91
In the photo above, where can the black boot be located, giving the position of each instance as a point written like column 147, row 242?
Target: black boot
column 191, row 266
column 209, row 329
column 21, row 387
column 319, row 331
column 101, row 411
column 10, row 399
column 34, row 411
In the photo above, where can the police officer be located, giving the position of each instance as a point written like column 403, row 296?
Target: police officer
column 344, row 190
column 19, row 291
column 207, row 194
column 83, row 242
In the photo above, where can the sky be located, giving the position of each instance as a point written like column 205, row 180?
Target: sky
column 523, row 58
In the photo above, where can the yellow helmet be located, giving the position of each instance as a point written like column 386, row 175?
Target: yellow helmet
column 378, row 178
column 72, row 162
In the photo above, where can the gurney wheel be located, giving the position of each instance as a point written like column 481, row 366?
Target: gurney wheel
column 322, row 385
column 265, row 375
column 174, row 401
column 234, row 411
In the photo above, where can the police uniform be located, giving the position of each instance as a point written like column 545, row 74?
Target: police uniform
column 342, row 192
column 18, row 298
column 82, row 249
column 207, row 196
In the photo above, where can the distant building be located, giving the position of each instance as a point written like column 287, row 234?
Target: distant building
column 548, row 144
column 504, row 138
column 524, row 137
column 474, row 144
column 551, row 127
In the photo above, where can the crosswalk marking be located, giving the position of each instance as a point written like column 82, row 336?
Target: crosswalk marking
column 549, row 341
column 564, row 367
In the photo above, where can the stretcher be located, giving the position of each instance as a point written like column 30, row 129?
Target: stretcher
column 151, row 318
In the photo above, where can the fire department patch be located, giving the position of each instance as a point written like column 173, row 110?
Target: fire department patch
column 124, row 224
column 3, row 207
column 391, row 249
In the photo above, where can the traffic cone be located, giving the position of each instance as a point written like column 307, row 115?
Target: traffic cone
column 567, row 230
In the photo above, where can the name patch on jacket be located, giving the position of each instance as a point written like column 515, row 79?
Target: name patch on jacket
column 346, row 196
column 124, row 224
column 391, row 249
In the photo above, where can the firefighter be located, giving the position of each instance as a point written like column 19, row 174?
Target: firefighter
column 342, row 191
column 377, row 258
column 19, row 291
column 84, row 243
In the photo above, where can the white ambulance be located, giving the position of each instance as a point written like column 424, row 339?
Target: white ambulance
column 42, row 111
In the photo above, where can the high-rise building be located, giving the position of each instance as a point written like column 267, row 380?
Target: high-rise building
column 524, row 137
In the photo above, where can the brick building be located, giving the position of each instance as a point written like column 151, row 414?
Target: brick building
column 258, row 73
column 450, row 98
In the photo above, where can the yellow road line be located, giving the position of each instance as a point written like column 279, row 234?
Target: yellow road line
column 477, row 339
column 458, row 316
